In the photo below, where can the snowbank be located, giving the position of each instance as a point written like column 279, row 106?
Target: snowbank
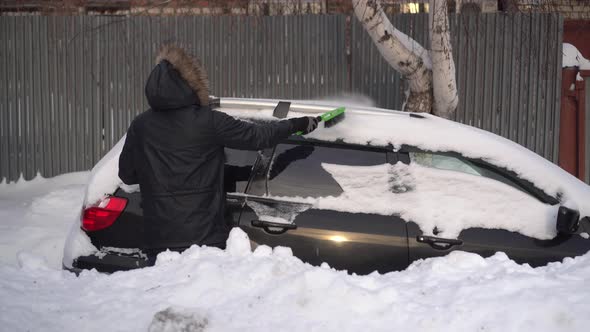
column 35, row 216
column 269, row 290
column 237, row 289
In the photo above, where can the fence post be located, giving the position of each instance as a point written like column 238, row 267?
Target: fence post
column 573, row 122
column 568, row 129
column 584, row 102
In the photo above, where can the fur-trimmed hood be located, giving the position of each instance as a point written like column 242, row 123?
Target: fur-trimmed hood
column 189, row 68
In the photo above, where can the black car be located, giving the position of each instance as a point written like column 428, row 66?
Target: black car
column 287, row 196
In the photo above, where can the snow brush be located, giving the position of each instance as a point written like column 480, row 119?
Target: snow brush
column 330, row 118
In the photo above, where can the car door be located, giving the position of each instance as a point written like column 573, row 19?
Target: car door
column 483, row 241
column 237, row 174
column 281, row 210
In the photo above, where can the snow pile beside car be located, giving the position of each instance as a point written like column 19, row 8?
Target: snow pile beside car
column 36, row 215
column 270, row 290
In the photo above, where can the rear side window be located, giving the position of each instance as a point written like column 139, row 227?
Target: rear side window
column 444, row 162
column 453, row 163
column 238, row 166
column 296, row 170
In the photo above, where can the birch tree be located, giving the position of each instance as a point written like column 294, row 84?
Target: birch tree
column 430, row 73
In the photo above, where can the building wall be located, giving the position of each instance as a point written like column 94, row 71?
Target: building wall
column 570, row 9
column 577, row 33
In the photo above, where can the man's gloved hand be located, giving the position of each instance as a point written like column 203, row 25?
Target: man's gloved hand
column 305, row 124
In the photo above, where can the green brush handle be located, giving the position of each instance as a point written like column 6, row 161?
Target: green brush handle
column 328, row 116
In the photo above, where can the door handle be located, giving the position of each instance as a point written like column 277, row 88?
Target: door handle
column 438, row 243
column 268, row 224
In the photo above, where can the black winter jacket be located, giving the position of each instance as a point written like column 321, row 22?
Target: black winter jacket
column 175, row 151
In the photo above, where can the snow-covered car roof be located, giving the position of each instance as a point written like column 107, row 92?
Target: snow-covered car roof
column 376, row 126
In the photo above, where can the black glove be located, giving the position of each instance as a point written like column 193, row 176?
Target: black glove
column 305, row 124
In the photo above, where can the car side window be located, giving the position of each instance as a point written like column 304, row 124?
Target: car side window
column 238, row 167
column 454, row 163
column 296, row 170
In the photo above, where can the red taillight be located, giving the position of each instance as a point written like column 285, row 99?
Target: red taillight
column 104, row 215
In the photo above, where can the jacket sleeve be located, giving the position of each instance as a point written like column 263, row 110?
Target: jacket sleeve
column 238, row 134
column 127, row 169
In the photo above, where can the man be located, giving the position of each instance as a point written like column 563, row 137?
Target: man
column 175, row 151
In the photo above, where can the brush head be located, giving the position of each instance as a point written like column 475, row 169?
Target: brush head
column 334, row 121
column 334, row 117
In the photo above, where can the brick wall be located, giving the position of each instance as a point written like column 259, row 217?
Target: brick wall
column 571, row 9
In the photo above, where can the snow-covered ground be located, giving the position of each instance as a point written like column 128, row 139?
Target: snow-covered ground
column 35, row 215
column 206, row 289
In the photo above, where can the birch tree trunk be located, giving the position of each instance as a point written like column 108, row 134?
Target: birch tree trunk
column 431, row 75
column 402, row 53
column 444, row 86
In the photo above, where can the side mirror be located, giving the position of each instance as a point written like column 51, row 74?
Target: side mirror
column 568, row 220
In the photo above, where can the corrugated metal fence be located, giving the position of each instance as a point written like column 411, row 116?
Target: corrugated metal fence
column 69, row 86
